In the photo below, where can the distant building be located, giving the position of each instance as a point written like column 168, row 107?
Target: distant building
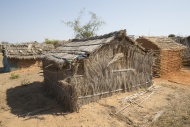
column 2, row 44
column 167, row 54
column 133, row 37
column 186, row 42
column 18, row 56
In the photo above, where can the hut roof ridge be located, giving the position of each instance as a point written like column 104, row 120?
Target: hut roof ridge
column 82, row 48
column 115, row 33
column 163, row 42
column 26, row 51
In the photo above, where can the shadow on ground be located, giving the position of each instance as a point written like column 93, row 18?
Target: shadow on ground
column 1, row 69
column 30, row 100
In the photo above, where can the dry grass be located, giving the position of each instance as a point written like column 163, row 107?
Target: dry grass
column 14, row 76
column 177, row 112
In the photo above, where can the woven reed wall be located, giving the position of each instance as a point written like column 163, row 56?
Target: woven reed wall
column 156, row 64
column 171, row 61
column 101, row 75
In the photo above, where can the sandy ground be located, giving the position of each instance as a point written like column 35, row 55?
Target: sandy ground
column 181, row 77
column 24, row 103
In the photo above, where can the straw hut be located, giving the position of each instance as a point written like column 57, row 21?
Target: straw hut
column 2, row 45
column 186, row 42
column 83, row 71
column 167, row 54
column 18, row 56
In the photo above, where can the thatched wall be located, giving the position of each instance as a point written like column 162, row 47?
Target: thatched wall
column 147, row 43
column 117, row 66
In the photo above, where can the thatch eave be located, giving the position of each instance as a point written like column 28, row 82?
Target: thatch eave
column 26, row 51
column 83, row 48
column 164, row 43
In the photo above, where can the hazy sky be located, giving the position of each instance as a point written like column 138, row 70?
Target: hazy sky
column 35, row 20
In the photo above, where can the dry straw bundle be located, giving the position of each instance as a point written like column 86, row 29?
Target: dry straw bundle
column 167, row 54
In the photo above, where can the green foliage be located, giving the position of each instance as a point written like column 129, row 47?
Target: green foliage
column 14, row 76
column 54, row 42
column 171, row 35
column 87, row 30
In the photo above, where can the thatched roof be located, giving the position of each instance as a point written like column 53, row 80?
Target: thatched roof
column 82, row 48
column 27, row 51
column 2, row 44
column 163, row 42
column 182, row 40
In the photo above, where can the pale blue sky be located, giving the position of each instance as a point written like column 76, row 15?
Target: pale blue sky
column 35, row 20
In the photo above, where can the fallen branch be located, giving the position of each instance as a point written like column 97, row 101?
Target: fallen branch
column 158, row 114
column 123, row 108
column 140, row 103
column 136, row 95
column 123, row 70
column 48, row 65
column 133, row 96
column 128, row 105
column 133, row 102
column 176, row 82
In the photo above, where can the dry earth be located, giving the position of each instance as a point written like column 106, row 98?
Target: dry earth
column 24, row 103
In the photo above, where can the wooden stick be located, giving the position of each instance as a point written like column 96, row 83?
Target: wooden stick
column 133, row 102
column 176, row 82
column 88, row 96
column 138, row 93
column 140, row 103
column 98, row 94
column 48, row 65
column 76, row 76
column 158, row 114
column 123, row 70
column 135, row 95
column 123, row 108
column 127, row 106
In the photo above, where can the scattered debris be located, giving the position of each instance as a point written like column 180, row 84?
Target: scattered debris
column 137, row 99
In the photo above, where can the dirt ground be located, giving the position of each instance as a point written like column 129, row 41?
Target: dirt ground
column 25, row 103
